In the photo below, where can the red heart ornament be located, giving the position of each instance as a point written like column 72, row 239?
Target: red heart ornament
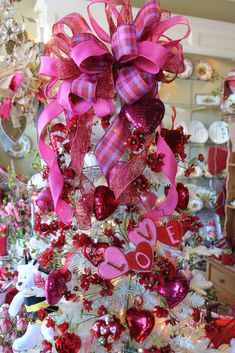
column 171, row 233
column 175, row 291
column 95, row 252
column 141, row 259
column 140, row 323
column 58, row 137
column 55, row 287
column 105, row 202
column 183, row 196
column 107, row 330
column 145, row 114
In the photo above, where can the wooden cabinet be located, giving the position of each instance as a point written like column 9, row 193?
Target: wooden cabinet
column 223, row 278
column 230, row 187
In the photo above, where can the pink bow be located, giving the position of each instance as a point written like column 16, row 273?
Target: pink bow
column 89, row 73
column 14, row 85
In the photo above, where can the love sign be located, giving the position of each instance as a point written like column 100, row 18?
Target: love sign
column 116, row 263
column 140, row 260
column 145, row 232
column 170, row 234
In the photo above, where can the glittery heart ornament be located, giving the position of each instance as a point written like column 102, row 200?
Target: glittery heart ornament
column 140, row 323
column 107, row 330
column 183, row 196
column 95, row 252
column 55, row 287
column 105, row 202
column 59, row 137
column 145, row 114
column 175, row 291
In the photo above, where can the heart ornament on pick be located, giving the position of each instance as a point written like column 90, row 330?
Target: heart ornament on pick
column 140, row 260
column 105, row 202
column 171, row 233
column 14, row 133
column 95, row 252
column 114, row 265
column 145, row 232
column 107, row 330
column 145, row 115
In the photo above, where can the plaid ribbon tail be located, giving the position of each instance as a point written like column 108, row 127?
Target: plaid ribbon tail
column 113, row 144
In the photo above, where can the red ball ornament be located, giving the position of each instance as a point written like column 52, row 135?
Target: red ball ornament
column 174, row 291
column 107, row 330
column 183, row 196
column 55, row 287
column 95, row 252
column 145, row 114
column 105, row 202
column 140, row 323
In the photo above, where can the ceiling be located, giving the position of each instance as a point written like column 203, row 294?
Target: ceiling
column 221, row 10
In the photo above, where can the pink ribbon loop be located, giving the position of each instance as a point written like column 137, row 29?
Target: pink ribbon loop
column 124, row 43
column 133, row 84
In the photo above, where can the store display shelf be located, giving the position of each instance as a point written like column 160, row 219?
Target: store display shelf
column 193, row 79
column 218, row 177
column 231, row 164
column 194, row 107
column 208, row 143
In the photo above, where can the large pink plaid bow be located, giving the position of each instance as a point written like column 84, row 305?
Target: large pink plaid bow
column 88, row 73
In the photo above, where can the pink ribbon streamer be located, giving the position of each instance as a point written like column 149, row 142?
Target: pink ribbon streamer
column 169, row 169
column 56, row 179
column 16, row 81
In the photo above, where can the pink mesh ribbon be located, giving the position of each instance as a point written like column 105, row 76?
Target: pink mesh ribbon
column 16, row 81
column 85, row 202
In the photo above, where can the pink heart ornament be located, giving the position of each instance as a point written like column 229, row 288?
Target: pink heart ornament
column 114, row 265
column 145, row 232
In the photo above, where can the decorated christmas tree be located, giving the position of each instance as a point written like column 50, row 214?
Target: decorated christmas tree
column 106, row 271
